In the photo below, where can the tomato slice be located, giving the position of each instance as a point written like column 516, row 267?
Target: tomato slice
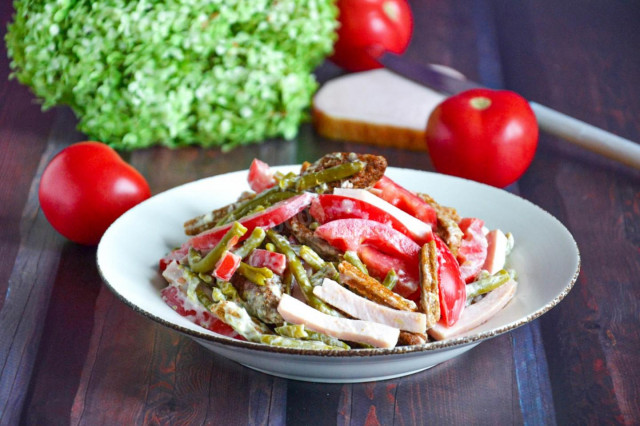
column 260, row 176
column 406, row 201
column 273, row 216
column 260, row 258
column 473, row 249
column 452, row 288
column 350, row 234
column 379, row 264
column 268, row 218
column 328, row 207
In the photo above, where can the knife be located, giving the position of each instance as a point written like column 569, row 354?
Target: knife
column 549, row 120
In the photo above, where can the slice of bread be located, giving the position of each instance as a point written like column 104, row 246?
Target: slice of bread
column 377, row 107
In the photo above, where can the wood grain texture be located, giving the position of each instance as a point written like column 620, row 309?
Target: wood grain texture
column 72, row 353
column 590, row 339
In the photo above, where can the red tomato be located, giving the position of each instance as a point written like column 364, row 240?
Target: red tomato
column 275, row 261
column 260, row 176
column 379, row 264
column 272, row 216
column 328, row 207
column 86, row 187
column 406, row 201
column 486, row 135
column 368, row 28
column 227, row 266
column 350, row 234
column 451, row 286
column 179, row 302
column 473, row 249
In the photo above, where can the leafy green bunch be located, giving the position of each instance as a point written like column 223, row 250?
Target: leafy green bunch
column 174, row 72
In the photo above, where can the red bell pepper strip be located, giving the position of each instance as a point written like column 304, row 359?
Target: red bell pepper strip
column 451, row 286
column 260, row 176
column 227, row 266
column 473, row 248
column 406, row 200
column 260, row 258
column 350, row 234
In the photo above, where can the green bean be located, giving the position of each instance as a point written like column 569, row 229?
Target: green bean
column 311, row 257
column 486, row 284
column 391, row 279
column 330, row 174
column 229, row 291
column 287, row 281
column 270, row 247
column 264, row 199
column 297, row 269
column 289, row 342
column 258, row 276
column 292, row 330
column 325, row 338
column 202, row 296
column 327, row 271
column 253, row 242
column 352, row 257
column 286, row 181
column 239, row 319
column 217, row 295
column 208, row 262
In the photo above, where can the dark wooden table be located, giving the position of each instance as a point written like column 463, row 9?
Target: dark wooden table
column 70, row 352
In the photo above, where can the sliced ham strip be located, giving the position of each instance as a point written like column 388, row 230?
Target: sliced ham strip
column 379, row 335
column 364, row 309
column 478, row 313
column 497, row 251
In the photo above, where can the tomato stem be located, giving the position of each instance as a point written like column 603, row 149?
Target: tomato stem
column 480, row 102
column 391, row 10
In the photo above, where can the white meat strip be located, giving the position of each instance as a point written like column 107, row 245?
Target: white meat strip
column 379, row 335
column 497, row 251
column 478, row 313
column 364, row 309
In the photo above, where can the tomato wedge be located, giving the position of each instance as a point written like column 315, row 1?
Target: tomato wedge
column 350, row 234
column 227, row 266
column 452, row 288
column 406, row 201
column 328, row 207
column 379, row 264
column 260, row 176
column 473, row 248
column 275, row 261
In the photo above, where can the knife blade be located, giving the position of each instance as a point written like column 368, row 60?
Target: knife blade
column 549, row 120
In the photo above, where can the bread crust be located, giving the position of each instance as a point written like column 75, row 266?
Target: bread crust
column 369, row 133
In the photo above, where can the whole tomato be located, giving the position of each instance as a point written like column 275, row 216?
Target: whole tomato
column 370, row 28
column 486, row 135
column 86, row 187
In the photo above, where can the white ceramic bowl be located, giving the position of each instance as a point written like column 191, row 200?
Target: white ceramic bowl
column 545, row 257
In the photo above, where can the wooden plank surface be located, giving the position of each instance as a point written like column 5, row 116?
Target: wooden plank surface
column 72, row 353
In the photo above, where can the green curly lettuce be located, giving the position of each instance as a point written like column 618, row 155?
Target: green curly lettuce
column 174, row 72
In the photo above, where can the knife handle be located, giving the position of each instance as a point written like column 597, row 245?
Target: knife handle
column 587, row 136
